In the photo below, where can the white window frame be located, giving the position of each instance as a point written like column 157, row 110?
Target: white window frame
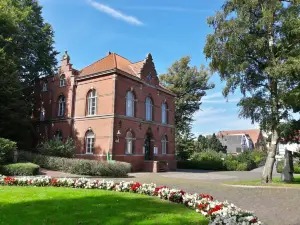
column 42, row 114
column 45, row 86
column 90, row 142
column 149, row 109
column 129, row 142
column 62, row 81
column 164, row 113
column 92, row 103
column 61, row 105
column 164, row 145
column 130, row 104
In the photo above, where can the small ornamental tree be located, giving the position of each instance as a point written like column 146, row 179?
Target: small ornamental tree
column 255, row 48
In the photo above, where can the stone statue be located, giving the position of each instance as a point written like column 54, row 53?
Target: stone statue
column 288, row 167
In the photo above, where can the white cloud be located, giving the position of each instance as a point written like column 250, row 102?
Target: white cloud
column 115, row 13
column 217, row 97
column 221, row 100
column 213, row 95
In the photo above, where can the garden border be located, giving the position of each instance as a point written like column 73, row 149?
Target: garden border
column 219, row 213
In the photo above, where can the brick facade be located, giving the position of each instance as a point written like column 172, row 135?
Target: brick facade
column 126, row 138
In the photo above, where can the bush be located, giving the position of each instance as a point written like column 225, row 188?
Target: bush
column 7, row 149
column 280, row 167
column 208, row 160
column 57, row 147
column 78, row 166
column 20, row 169
column 230, row 164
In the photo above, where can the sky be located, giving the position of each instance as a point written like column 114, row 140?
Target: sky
column 168, row 29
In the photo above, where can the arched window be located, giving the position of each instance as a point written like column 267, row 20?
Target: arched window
column 148, row 109
column 42, row 114
column 58, row 135
column 129, row 104
column 164, row 142
column 62, row 81
column 164, row 113
column 61, row 105
column 89, row 142
column 92, row 103
column 45, row 86
column 129, row 142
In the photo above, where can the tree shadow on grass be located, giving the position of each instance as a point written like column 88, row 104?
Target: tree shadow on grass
column 75, row 206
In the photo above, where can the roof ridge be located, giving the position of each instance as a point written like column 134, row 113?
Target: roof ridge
column 123, row 57
column 94, row 63
column 138, row 61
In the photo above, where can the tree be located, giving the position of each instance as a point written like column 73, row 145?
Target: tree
column 190, row 85
column 255, row 47
column 26, row 53
column 214, row 144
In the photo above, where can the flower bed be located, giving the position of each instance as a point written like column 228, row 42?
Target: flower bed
column 219, row 213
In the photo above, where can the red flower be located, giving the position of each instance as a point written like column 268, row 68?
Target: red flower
column 54, row 182
column 253, row 220
column 215, row 209
column 206, row 196
column 135, row 186
column 9, row 180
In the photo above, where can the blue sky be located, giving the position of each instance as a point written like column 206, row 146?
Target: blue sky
column 167, row 29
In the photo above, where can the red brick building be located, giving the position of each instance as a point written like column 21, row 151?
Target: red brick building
column 112, row 108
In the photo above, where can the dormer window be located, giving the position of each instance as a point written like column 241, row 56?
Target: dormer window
column 62, row 81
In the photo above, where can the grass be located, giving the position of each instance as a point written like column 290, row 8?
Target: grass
column 50, row 205
column 276, row 182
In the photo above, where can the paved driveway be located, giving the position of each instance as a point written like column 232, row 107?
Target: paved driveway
column 274, row 206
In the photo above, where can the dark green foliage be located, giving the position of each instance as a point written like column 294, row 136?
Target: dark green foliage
column 189, row 84
column 57, row 147
column 20, row 169
column 212, row 143
column 200, row 165
column 184, row 146
column 26, row 53
column 7, row 149
column 78, row 166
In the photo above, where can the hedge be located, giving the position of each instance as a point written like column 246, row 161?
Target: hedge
column 20, row 169
column 280, row 168
column 78, row 166
column 200, row 165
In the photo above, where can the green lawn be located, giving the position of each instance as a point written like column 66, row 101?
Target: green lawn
column 50, row 205
column 276, row 182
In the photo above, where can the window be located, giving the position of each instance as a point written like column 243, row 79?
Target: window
column 92, row 103
column 148, row 109
column 164, row 141
column 42, row 114
column 58, row 135
column 62, row 81
column 129, row 104
column 129, row 142
column 90, row 142
column 45, row 86
column 61, row 106
column 164, row 113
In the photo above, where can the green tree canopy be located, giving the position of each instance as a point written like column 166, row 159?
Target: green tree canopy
column 189, row 84
column 255, row 48
column 26, row 53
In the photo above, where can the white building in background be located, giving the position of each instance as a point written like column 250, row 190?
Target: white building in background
column 281, row 147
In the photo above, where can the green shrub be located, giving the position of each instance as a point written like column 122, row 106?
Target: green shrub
column 20, row 169
column 78, row 166
column 248, row 158
column 56, row 147
column 208, row 160
column 230, row 164
column 280, row 167
column 259, row 157
column 242, row 167
column 7, row 149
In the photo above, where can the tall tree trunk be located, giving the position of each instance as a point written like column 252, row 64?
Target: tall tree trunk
column 268, row 169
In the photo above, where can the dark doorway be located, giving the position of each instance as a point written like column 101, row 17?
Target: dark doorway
column 147, row 147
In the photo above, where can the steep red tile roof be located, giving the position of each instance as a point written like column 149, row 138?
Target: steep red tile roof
column 111, row 61
column 253, row 133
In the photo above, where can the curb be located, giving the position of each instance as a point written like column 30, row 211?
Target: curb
column 251, row 186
